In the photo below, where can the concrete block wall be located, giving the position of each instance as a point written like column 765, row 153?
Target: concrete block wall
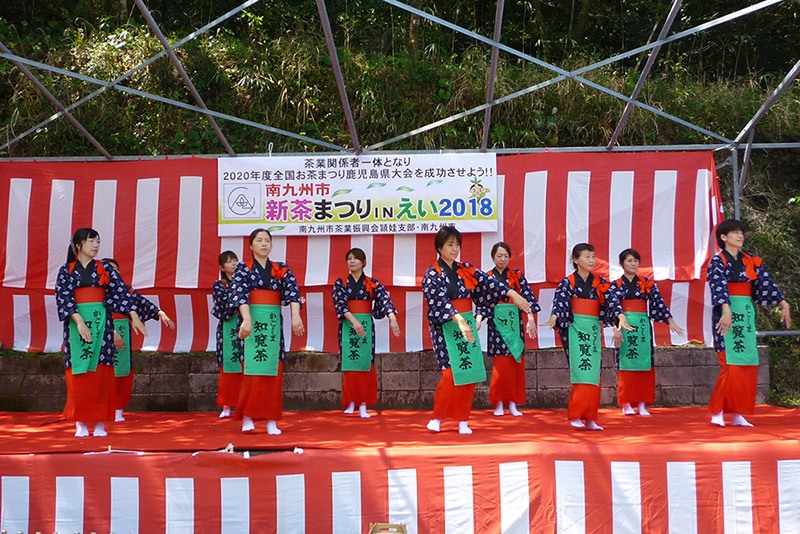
column 312, row 381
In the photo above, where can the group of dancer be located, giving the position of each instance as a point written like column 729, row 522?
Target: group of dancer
column 460, row 298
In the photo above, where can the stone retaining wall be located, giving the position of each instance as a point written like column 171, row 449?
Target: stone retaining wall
column 312, row 381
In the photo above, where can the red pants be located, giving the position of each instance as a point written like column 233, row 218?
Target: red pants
column 451, row 401
column 508, row 380
column 636, row 386
column 228, row 388
column 735, row 390
column 360, row 387
column 584, row 401
column 90, row 395
column 123, row 385
column 261, row 397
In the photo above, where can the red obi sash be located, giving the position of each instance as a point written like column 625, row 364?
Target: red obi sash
column 89, row 294
column 116, row 316
column 585, row 306
column 634, row 305
column 359, row 306
column 462, row 305
column 265, row 296
column 739, row 289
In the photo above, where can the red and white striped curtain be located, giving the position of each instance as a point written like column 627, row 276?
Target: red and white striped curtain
column 158, row 219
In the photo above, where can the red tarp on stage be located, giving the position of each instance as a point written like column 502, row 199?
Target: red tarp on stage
column 672, row 472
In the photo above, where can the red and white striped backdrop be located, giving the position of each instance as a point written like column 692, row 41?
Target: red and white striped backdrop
column 159, row 220
column 515, row 489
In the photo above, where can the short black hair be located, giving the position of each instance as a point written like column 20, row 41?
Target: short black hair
column 357, row 254
column 629, row 252
column 500, row 244
column 257, row 231
column 443, row 236
column 578, row 249
column 725, row 227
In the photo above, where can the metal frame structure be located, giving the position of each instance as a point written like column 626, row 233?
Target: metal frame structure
column 745, row 136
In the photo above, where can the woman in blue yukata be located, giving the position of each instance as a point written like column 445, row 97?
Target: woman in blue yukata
column 87, row 293
column 450, row 288
column 737, row 281
column 258, row 289
column 358, row 299
column 229, row 347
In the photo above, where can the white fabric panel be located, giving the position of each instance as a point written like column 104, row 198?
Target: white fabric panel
column 180, row 505
column 620, row 219
column 69, row 504
column 15, row 504
column 788, row 496
column 570, row 498
column 17, row 238
column 125, row 505
column 22, row 322
column 403, row 507
column 626, row 496
column 682, row 497
column 291, row 491
column 535, row 225
column 236, row 245
column 315, row 328
column 415, row 321
column 318, row 263
column 545, row 334
column 488, row 239
column 153, row 337
column 577, row 213
column 405, row 260
column 189, row 219
column 458, row 500
column 184, row 323
column 737, row 497
column 59, row 231
column 514, row 498
column 211, row 346
column 346, row 489
column 702, row 215
column 663, row 242
column 382, row 335
column 104, row 214
column 708, row 325
column 679, row 307
column 145, row 241
column 235, row 506
column 278, row 252
column 55, row 329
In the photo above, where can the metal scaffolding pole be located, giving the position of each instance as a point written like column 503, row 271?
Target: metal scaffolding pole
column 735, row 170
column 125, row 76
column 337, row 72
column 746, row 162
column 170, row 101
column 651, row 59
column 184, row 75
column 776, row 94
column 35, row 81
column 487, row 117
column 573, row 74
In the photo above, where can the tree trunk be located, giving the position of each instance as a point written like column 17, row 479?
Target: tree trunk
column 413, row 31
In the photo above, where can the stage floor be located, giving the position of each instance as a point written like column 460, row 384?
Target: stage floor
column 24, row 432
column 328, row 472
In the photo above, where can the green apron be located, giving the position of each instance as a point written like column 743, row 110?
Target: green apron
column 740, row 340
column 262, row 348
column 506, row 320
column 230, row 345
column 357, row 350
column 122, row 358
column 635, row 351
column 84, row 356
column 584, row 350
column 466, row 359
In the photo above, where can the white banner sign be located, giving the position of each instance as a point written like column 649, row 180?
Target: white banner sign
column 346, row 195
